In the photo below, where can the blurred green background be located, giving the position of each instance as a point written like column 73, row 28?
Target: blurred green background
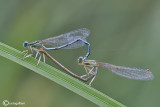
column 123, row 32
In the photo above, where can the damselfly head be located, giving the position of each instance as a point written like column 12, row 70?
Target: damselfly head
column 25, row 44
column 80, row 60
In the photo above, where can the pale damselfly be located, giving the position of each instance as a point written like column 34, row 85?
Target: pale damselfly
column 91, row 68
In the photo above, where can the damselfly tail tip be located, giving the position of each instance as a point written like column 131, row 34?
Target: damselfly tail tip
column 80, row 60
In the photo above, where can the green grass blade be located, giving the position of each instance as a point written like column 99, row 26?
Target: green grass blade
column 59, row 77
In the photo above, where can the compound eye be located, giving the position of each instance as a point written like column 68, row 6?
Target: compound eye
column 80, row 59
column 25, row 44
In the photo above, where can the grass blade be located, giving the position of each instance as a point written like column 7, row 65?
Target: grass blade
column 59, row 77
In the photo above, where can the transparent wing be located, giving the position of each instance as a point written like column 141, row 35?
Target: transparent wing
column 127, row 72
column 77, row 44
column 67, row 38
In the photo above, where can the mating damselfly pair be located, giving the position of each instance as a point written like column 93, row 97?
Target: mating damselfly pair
column 77, row 39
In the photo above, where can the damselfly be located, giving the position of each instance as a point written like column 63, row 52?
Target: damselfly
column 91, row 68
column 71, row 40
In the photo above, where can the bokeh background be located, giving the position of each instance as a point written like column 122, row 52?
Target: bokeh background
column 123, row 32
